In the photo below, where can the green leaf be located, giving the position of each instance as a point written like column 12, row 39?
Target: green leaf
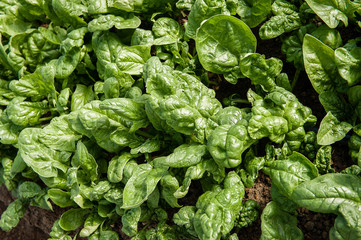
column 287, row 174
column 332, row 11
column 131, row 112
column 203, row 10
column 28, row 190
column 349, row 64
column 73, row 218
column 347, row 224
column 139, row 6
column 93, row 121
column 7, row 176
column 70, row 12
column 25, row 113
column 169, row 185
column 320, row 65
column 220, row 42
column 43, row 160
column 66, row 64
column 149, row 146
column 323, row 160
column 130, row 221
column 116, row 167
column 81, row 96
column 326, row 193
column 227, row 143
column 185, row 155
column 91, row 224
column 131, row 59
column 142, row 183
column 278, row 224
column 60, row 197
column 255, row 12
column 167, row 31
column 106, row 22
column 12, row 215
column 184, row 217
column 57, row 233
column 332, row 130
column 278, row 25
column 58, row 135
column 38, row 85
column 260, row 70
column 86, row 161
column 335, row 103
column 219, row 208
column 142, row 37
column 11, row 25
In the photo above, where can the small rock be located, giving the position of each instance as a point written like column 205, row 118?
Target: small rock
column 309, row 225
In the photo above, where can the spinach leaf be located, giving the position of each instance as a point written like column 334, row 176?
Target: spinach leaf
column 278, row 224
column 141, row 185
column 218, row 50
column 332, row 130
column 12, row 215
column 327, row 192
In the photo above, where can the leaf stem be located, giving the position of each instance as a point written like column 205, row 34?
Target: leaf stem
column 295, row 78
column 144, row 134
column 45, row 119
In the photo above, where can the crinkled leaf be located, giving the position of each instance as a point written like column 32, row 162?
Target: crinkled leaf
column 185, row 155
column 202, row 10
column 289, row 173
column 349, row 64
column 278, row 224
column 106, row 22
column 130, row 221
column 116, row 167
column 255, row 12
column 58, row 135
column 12, row 215
column 141, row 185
column 43, row 160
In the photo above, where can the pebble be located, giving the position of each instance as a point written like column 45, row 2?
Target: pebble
column 309, row 225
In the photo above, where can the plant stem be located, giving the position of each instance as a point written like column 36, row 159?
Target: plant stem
column 45, row 119
column 144, row 134
column 295, row 78
column 241, row 101
column 213, row 83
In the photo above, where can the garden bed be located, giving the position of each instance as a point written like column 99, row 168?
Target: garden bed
column 184, row 120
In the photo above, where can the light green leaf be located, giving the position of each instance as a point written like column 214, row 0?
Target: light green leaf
column 58, row 135
column 220, row 42
column 141, row 185
column 332, row 130
column 43, row 160
column 326, row 193
column 73, row 218
column 81, row 96
column 106, row 22
column 320, row 65
column 116, row 167
column 288, row 173
column 185, row 155
column 278, row 224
